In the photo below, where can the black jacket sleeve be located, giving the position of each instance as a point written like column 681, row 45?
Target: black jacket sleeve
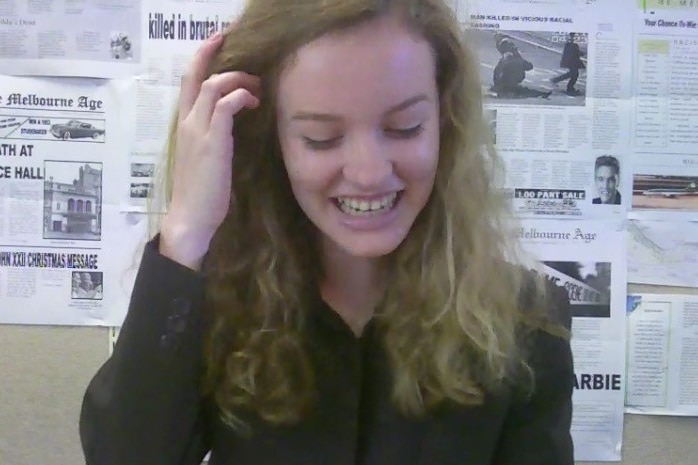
column 143, row 405
column 537, row 427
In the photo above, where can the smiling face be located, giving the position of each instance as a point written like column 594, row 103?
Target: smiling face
column 606, row 183
column 358, row 122
column 86, row 281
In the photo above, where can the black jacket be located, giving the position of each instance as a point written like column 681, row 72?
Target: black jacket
column 143, row 405
column 571, row 56
column 510, row 71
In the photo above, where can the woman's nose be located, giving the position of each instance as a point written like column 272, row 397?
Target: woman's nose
column 367, row 163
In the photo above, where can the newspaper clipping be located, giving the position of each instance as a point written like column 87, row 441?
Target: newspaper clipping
column 662, row 253
column 587, row 258
column 90, row 38
column 58, row 171
column 172, row 33
column 662, row 354
column 663, row 232
column 556, row 81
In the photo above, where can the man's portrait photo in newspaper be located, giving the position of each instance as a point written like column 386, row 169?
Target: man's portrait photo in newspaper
column 530, row 67
column 72, row 200
column 587, row 284
column 606, row 181
column 87, row 285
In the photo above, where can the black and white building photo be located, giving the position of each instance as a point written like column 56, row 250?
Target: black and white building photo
column 72, row 200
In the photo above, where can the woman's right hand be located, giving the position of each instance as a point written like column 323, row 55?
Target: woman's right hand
column 202, row 168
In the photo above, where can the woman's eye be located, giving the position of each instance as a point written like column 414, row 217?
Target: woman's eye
column 405, row 133
column 324, row 144
column 327, row 144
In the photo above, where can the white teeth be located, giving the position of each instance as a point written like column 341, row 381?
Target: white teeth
column 363, row 207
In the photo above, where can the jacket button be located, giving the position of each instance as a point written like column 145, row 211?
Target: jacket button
column 176, row 324
column 168, row 341
column 181, row 306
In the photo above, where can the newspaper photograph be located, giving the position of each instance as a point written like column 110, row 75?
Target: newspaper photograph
column 662, row 376
column 62, row 239
column 666, row 186
column 77, row 186
column 532, row 67
column 556, row 85
column 588, row 285
column 89, row 38
column 587, row 259
column 662, row 253
column 665, row 192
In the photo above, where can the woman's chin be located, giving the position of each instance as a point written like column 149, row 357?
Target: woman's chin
column 369, row 245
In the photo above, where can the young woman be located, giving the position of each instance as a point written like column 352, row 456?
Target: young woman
column 332, row 283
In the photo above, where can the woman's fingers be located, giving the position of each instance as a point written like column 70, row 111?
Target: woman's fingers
column 201, row 189
column 217, row 87
column 194, row 75
column 226, row 107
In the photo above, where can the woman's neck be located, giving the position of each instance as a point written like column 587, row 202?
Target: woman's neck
column 351, row 286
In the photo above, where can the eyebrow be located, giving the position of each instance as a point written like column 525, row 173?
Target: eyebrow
column 328, row 117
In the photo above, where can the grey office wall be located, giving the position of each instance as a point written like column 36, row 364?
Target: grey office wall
column 44, row 371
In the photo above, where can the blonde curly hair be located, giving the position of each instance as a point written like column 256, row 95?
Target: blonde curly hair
column 452, row 312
